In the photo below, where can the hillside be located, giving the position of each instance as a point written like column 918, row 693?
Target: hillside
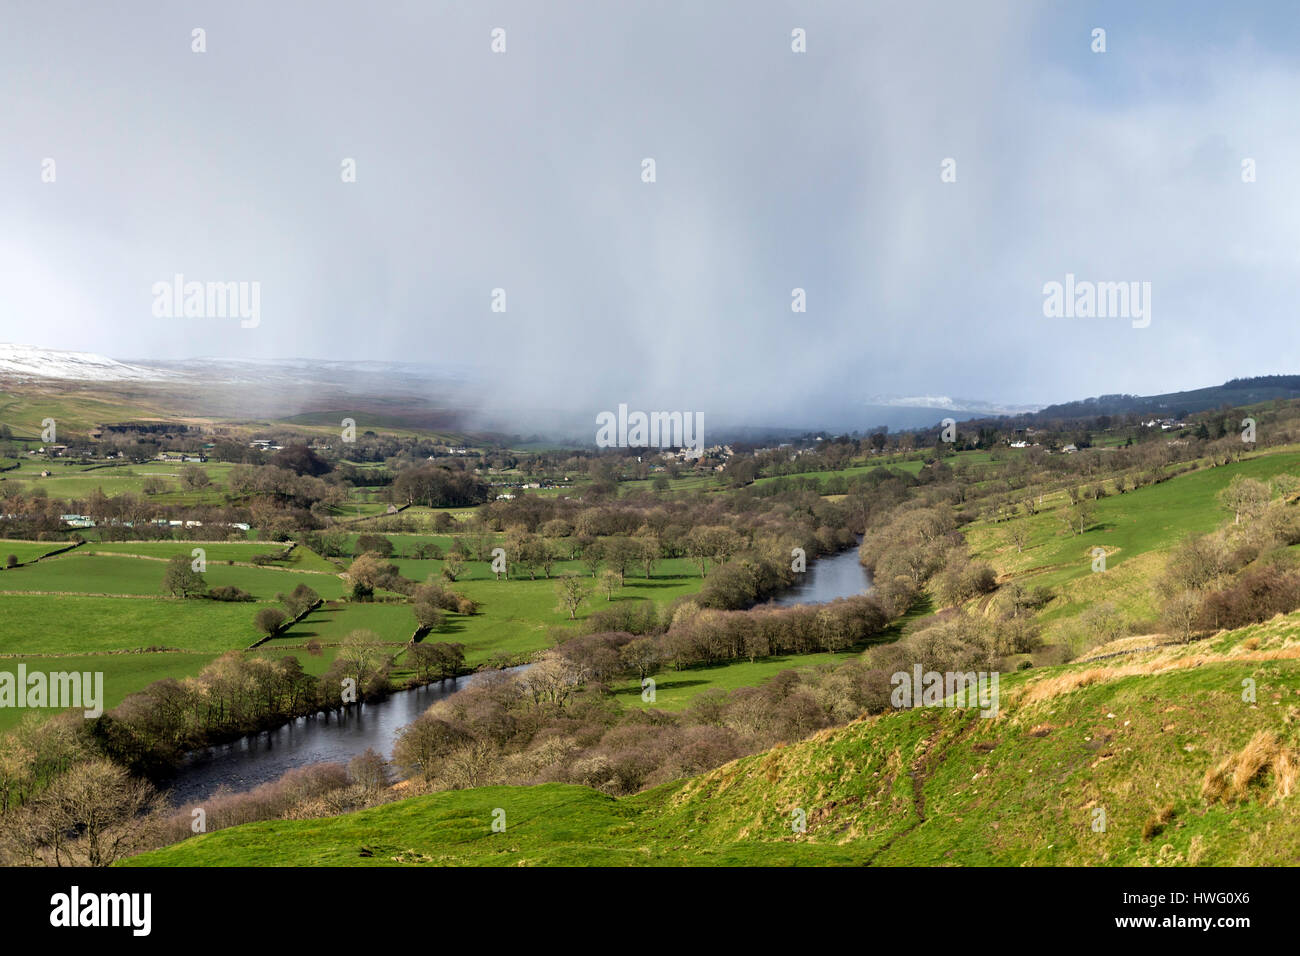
column 1237, row 392
column 1161, row 740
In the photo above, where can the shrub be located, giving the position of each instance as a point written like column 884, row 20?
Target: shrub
column 269, row 620
column 1256, row 595
column 427, row 616
column 375, row 543
column 299, row 599
column 181, row 580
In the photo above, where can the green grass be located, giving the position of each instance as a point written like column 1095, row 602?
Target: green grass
column 912, row 467
column 123, row 674
column 674, row 690
column 1135, row 529
column 36, row 624
column 27, row 550
column 81, row 573
column 300, row 559
column 512, row 622
column 708, row 482
column 1128, row 525
column 71, row 479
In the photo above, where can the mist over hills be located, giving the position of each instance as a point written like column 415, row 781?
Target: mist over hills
column 460, row 397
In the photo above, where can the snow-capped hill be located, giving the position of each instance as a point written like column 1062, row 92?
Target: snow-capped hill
column 945, row 403
column 28, row 362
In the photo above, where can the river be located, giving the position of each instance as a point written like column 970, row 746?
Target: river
column 334, row 737
column 338, row 737
column 837, row 576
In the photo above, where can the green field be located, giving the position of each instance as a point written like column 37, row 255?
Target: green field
column 300, row 559
column 28, row 550
column 1128, row 525
column 83, row 573
column 1135, row 529
column 675, row 690
column 40, row 625
column 111, row 599
column 123, row 674
column 912, row 466
column 69, row 479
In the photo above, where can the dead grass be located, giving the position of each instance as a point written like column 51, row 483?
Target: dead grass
column 1160, row 663
column 1156, row 823
column 1230, row 780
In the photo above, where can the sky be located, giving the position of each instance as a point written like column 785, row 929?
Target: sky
column 774, row 170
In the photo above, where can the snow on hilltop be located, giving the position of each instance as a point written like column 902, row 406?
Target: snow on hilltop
column 28, row 362
column 945, row 403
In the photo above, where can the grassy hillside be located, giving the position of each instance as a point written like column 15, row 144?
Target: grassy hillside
column 1135, row 529
column 1128, row 525
column 1185, row 770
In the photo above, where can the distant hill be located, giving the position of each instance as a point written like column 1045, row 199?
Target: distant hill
column 451, row 397
column 26, row 363
column 1236, row 392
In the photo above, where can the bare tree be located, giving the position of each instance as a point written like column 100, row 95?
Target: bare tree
column 1019, row 535
column 92, row 815
column 1180, row 615
column 1244, row 496
column 572, row 594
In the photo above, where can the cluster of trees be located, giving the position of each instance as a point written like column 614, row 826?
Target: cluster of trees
column 82, row 792
column 371, row 571
column 702, row 635
column 269, row 620
column 94, row 812
column 441, row 661
column 439, row 487
column 430, row 602
column 905, row 549
column 555, row 723
column 235, row 695
column 1241, row 574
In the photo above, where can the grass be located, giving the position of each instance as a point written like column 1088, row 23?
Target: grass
column 84, row 573
column 110, row 600
column 1135, row 530
column 70, row 479
column 300, row 559
column 123, row 674
column 36, row 624
column 913, row 467
column 674, row 690
column 1128, row 525
column 28, row 550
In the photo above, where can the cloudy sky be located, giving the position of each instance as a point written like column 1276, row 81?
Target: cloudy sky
column 522, row 170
